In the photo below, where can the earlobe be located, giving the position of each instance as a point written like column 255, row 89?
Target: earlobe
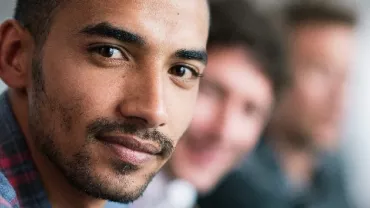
column 15, row 54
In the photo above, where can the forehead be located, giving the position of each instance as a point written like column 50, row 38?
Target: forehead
column 237, row 73
column 157, row 21
column 331, row 41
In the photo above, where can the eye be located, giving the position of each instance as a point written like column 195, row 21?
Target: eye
column 108, row 52
column 250, row 109
column 184, row 72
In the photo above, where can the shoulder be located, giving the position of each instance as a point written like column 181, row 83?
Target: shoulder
column 250, row 185
column 237, row 189
column 7, row 194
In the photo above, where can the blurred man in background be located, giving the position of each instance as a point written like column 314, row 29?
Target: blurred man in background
column 295, row 165
column 99, row 94
column 244, row 77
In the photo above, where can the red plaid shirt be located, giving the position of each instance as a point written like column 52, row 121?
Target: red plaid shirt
column 20, row 184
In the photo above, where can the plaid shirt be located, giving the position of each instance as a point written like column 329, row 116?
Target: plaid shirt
column 20, row 184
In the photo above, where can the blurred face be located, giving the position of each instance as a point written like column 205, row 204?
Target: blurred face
column 321, row 55
column 114, row 88
column 234, row 101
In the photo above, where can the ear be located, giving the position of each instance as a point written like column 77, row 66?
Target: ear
column 16, row 49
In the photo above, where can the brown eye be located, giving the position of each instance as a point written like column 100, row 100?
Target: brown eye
column 109, row 52
column 184, row 72
column 251, row 109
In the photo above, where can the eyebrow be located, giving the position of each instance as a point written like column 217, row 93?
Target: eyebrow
column 198, row 55
column 107, row 30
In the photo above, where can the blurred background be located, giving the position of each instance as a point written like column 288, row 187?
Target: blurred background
column 355, row 131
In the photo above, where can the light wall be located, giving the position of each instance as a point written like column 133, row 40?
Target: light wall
column 356, row 141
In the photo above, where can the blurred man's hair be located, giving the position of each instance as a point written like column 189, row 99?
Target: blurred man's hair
column 238, row 23
column 36, row 16
column 318, row 11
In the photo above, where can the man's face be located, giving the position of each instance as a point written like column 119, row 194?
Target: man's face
column 234, row 102
column 114, row 89
column 321, row 55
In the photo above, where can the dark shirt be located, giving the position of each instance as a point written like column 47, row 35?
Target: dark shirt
column 260, row 183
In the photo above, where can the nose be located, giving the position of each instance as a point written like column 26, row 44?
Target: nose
column 145, row 100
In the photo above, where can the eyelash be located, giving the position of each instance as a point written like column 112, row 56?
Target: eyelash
column 195, row 73
column 94, row 48
column 199, row 75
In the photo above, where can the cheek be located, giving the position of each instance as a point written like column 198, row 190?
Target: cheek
column 204, row 114
column 245, row 131
column 249, row 134
column 96, row 90
column 205, row 108
column 79, row 98
column 72, row 74
column 312, row 92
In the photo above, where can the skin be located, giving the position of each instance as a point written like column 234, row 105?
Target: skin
column 85, row 84
column 321, row 55
column 307, row 119
column 234, row 102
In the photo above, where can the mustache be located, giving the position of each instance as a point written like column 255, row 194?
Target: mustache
column 103, row 126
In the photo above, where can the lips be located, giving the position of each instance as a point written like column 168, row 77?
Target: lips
column 130, row 149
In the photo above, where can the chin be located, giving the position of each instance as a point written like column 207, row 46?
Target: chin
column 202, row 186
column 194, row 174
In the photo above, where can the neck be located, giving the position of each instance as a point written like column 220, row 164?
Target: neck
column 60, row 192
column 168, row 172
column 297, row 162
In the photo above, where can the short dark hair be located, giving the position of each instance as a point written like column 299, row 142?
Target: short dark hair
column 36, row 16
column 238, row 23
column 320, row 11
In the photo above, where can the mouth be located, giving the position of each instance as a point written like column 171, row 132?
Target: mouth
column 130, row 149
